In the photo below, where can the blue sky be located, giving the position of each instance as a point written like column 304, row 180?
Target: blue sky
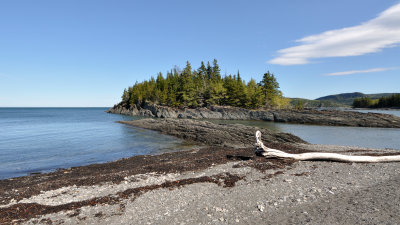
column 84, row 53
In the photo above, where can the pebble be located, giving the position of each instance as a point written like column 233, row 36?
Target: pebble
column 261, row 208
column 221, row 210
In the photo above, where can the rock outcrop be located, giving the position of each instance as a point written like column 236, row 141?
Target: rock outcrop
column 317, row 117
column 204, row 132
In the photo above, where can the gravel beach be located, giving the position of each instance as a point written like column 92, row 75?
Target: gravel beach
column 211, row 184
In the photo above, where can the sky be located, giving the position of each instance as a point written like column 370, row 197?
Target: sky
column 84, row 53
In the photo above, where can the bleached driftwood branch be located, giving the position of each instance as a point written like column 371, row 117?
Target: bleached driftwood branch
column 261, row 149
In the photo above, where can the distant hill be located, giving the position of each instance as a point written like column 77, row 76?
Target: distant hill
column 348, row 98
column 307, row 103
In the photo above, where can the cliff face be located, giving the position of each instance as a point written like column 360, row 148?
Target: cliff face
column 325, row 117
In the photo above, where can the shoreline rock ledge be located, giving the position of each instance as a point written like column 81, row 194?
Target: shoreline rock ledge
column 307, row 116
column 207, row 133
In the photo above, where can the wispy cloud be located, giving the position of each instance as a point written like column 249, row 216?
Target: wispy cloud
column 359, row 71
column 371, row 36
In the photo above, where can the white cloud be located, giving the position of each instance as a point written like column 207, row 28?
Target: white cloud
column 359, row 71
column 371, row 36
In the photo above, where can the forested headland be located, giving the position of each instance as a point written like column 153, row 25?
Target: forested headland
column 383, row 102
column 205, row 86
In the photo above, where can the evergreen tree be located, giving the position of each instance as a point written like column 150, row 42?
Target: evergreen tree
column 187, row 91
column 125, row 97
column 136, row 94
column 172, row 86
column 209, row 71
column 217, row 94
column 200, row 77
column 205, row 87
column 389, row 101
column 202, row 71
column 216, row 71
column 240, row 92
column 271, row 88
column 161, row 89
column 230, row 86
column 254, row 95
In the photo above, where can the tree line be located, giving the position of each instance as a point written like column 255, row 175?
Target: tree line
column 382, row 102
column 205, row 87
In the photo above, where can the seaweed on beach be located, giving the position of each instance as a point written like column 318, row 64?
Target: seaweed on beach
column 24, row 211
column 115, row 172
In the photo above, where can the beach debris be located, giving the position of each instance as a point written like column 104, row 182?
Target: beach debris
column 261, row 149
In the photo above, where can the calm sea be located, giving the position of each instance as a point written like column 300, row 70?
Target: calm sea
column 384, row 138
column 44, row 139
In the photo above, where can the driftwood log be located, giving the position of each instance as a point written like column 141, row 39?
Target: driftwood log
column 261, row 149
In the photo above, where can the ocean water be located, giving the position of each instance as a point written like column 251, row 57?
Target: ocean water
column 45, row 139
column 382, row 138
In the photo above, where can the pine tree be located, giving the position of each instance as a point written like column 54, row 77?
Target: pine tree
column 216, row 71
column 136, row 94
column 172, row 86
column 209, row 71
column 187, row 91
column 161, row 89
column 205, row 86
column 240, row 92
column 229, row 87
column 202, row 71
column 125, row 97
column 271, row 88
column 254, row 95
column 200, row 77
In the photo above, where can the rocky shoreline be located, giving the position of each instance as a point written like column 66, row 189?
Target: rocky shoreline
column 207, row 133
column 219, row 182
column 308, row 116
